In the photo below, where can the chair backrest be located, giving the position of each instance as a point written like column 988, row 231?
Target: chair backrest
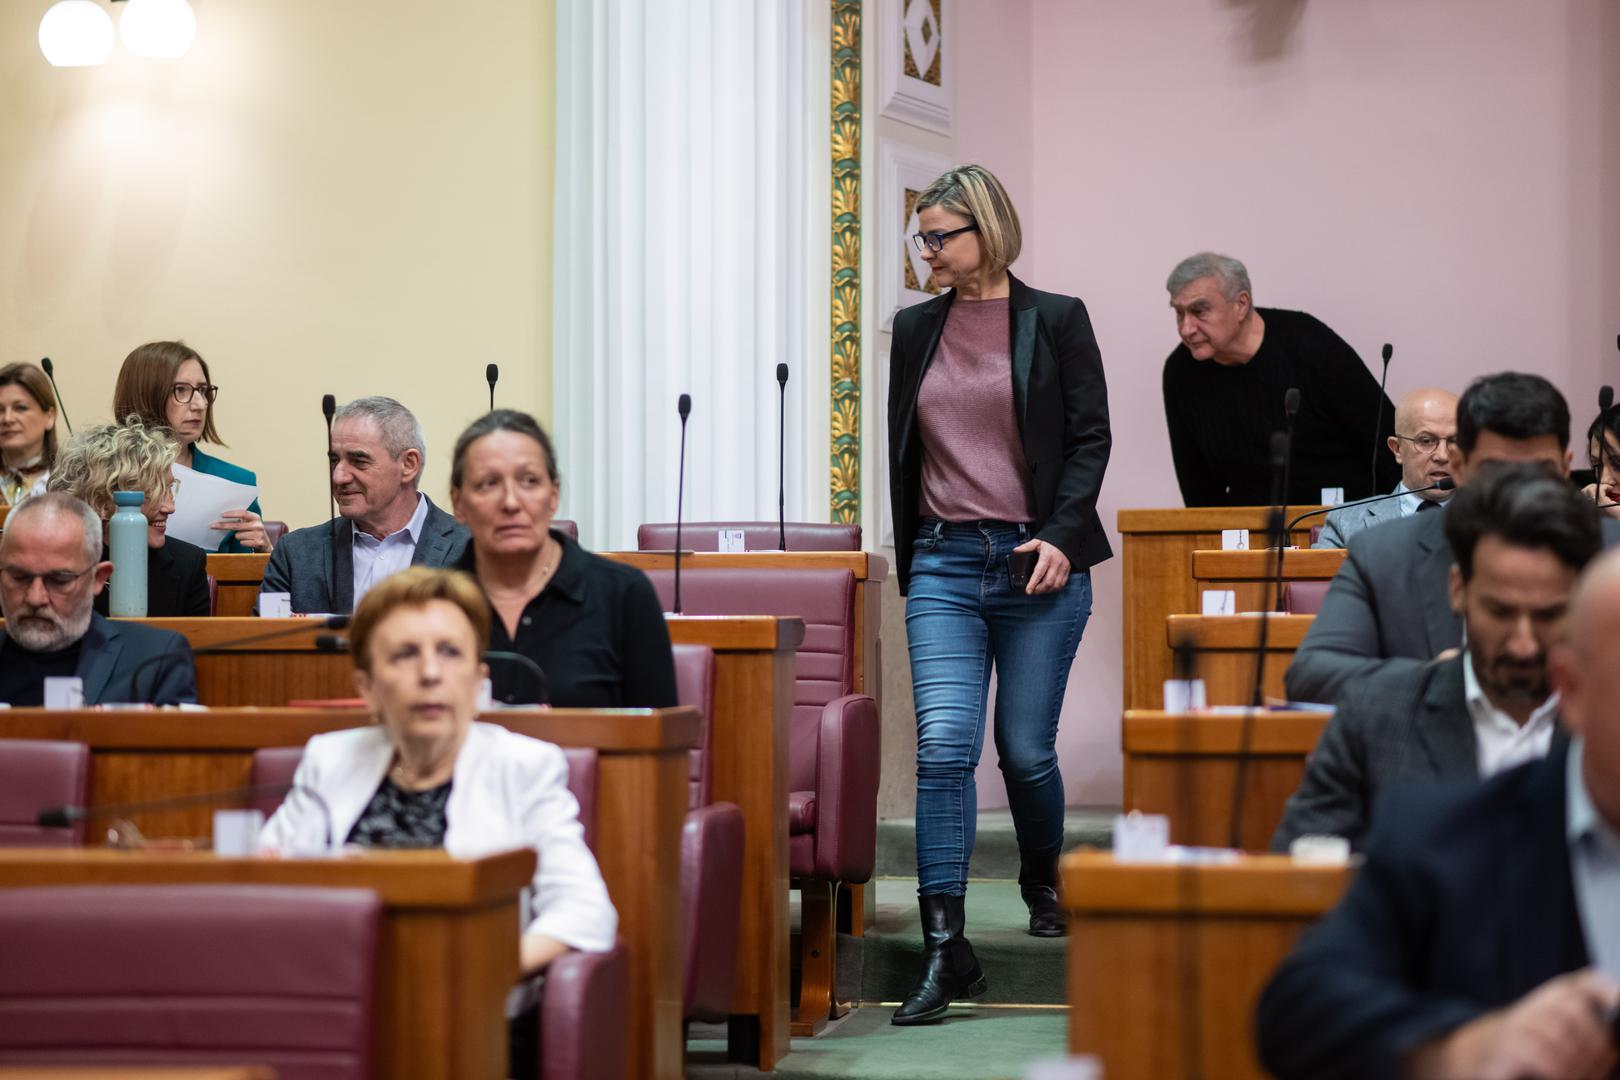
column 274, row 531
column 582, row 782
column 694, row 686
column 1316, row 533
column 190, row 975
column 213, row 595
column 568, row 528
column 757, row 536
column 35, row 775
column 1304, row 597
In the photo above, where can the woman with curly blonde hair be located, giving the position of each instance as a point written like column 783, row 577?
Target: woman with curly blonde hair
column 133, row 457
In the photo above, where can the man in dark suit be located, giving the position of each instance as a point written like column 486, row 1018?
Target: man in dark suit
column 384, row 522
column 50, row 572
column 1480, row 939
column 1388, row 608
column 1519, row 538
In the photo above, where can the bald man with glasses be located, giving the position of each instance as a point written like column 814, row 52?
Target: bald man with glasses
column 1424, row 440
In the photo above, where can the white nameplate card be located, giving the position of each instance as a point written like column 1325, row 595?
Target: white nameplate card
column 1220, row 602
column 1140, row 837
column 236, row 832
column 1183, row 695
column 732, row 540
column 275, row 605
column 1332, row 496
column 1234, row 539
column 64, row 692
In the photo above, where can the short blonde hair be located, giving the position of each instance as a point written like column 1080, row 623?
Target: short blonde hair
column 975, row 193
column 115, row 457
column 414, row 587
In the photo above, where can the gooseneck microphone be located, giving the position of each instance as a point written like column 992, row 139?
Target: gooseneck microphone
column 64, row 817
column 50, row 373
column 1605, row 398
column 1445, row 483
column 1275, row 531
column 542, row 685
column 781, row 460
column 1378, row 420
column 684, row 407
column 328, row 410
column 333, row 622
column 492, row 375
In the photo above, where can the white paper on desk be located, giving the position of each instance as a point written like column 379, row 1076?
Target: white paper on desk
column 1219, row 601
column 201, row 500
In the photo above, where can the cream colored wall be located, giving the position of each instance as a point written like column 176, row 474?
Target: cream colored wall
column 346, row 197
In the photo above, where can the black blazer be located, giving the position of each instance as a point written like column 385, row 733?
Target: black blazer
column 1061, row 400
column 1465, row 905
column 123, row 661
column 176, row 582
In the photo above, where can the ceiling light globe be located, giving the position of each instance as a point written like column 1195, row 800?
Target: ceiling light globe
column 76, row 33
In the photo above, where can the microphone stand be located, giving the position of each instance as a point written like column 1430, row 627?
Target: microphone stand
column 781, row 460
column 1378, row 420
column 684, row 407
column 64, row 817
column 329, row 409
column 50, row 373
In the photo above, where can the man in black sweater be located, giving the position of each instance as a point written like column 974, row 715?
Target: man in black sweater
column 1224, row 387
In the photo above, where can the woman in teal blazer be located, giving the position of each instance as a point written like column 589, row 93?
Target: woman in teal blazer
column 166, row 383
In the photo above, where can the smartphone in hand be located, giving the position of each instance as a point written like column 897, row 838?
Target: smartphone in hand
column 1020, row 566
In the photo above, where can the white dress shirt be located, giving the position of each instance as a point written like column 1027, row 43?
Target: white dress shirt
column 376, row 559
column 1501, row 741
column 1594, row 863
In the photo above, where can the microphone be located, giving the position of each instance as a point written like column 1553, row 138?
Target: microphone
column 64, row 817
column 492, row 375
column 1279, row 537
column 684, row 407
column 1378, row 420
column 328, row 410
column 1445, row 483
column 333, row 622
column 781, row 460
column 50, row 373
column 542, row 684
column 1605, row 398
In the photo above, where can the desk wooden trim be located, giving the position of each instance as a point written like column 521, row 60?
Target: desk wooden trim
column 246, row 568
column 1097, row 882
column 1271, row 731
column 865, row 565
column 1237, row 631
column 1201, row 519
column 1299, row 564
column 736, row 633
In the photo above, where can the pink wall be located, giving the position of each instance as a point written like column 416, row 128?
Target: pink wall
column 1444, row 176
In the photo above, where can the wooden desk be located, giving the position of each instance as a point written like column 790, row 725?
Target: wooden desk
column 641, row 801
column 267, row 673
column 1156, row 548
column 1224, row 652
column 1166, row 962
column 238, row 578
column 126, row 1072
column 448, row 950
column 1185, row 765
column 753, row 700
column 1252, row 574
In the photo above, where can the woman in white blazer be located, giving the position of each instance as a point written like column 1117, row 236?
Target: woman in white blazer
column 427, row 775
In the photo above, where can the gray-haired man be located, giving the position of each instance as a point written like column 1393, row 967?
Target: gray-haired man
column 384, row 522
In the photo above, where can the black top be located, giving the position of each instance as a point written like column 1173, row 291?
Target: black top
column 1221, row 418
column 597, row 631
column 23, row 672
column 396, row 818
column 176, row 582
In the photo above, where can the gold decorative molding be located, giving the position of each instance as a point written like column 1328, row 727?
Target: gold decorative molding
column 846, row 262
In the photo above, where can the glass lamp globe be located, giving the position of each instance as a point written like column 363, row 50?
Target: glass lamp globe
column 160, row 29
column 76, row 33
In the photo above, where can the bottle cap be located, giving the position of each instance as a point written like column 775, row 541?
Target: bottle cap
column 129, row 498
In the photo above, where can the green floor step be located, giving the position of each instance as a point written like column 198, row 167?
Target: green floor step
column 995, row 849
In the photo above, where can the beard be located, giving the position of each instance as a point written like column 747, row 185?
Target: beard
column 43, row 629
column 1522, row 682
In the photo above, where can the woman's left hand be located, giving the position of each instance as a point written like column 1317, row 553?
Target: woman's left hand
column 248, row 526
column 1051, row 568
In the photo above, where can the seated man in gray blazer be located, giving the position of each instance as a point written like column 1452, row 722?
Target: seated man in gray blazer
column 1388, row 607
column 1519, row 538
column 50, row 572
column 1425, row 434
column 384, row 522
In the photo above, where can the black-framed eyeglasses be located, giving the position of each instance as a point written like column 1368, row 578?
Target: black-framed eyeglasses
column 934, row 241
column 183, row 392
column 1428, row 444
column 58, row 583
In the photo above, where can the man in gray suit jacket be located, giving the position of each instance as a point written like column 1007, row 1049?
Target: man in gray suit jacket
column 1518, row 538
column 1388, row 607
column 384, row 522
column 1425, row 431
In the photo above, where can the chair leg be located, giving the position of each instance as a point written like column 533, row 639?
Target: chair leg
column 852, row 910
column 818, row 952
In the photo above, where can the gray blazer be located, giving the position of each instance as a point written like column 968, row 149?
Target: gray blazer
column 1347, row 521
column 301, row 564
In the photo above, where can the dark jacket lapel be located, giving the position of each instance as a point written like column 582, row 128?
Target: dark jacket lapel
column 342, row 590
column 1537, row 888
column 1444, row 725
column 930, row 324
column 438, row 533
column 1025, row 329
column 99, row 651
column 1431, row 594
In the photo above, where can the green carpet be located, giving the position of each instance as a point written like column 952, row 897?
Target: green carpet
column 995, row 850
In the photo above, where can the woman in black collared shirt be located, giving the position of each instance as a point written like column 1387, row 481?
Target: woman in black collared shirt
column 595, row 627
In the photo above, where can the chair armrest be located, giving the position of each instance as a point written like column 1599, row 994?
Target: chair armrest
column 847, row 766
column 711, row 902
column 583, row 999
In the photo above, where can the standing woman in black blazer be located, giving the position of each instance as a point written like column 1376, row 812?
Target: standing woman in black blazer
column 998, row 439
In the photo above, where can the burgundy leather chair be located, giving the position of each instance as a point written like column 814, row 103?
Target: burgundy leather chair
column 833, row 747
column 757, row 536
column 274, row 531
column 568, row 528
column 582, row 998
column 1304, row 597
column 35, row 775
column 190, row 975
column 213, row 595
column 711, row 859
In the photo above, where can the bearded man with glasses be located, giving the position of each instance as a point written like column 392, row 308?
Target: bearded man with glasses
column 1424, row 440
column 50, row 572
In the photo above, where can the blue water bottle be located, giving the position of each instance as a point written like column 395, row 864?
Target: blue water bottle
column 126, row 536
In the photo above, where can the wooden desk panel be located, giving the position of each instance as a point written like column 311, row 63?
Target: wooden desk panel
column 237, row 578
column 1252, row 574
column 1166, row 962
column 1224, row 648
column 1185, row 765
column 641, row 801
column 1156, row 551
column 449, row 941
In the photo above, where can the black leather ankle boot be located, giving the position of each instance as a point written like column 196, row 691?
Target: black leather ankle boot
column 950, row 969
column 1038, row 883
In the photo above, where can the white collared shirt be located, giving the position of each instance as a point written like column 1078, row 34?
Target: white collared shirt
column 1501, row 741
column 376, row 559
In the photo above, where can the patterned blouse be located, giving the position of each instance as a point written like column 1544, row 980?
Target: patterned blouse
column 397, row 818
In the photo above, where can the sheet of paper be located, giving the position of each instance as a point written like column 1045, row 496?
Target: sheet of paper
column 732, row 540
column 1220, row 601
column 201, row 500
column 1234, row 539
